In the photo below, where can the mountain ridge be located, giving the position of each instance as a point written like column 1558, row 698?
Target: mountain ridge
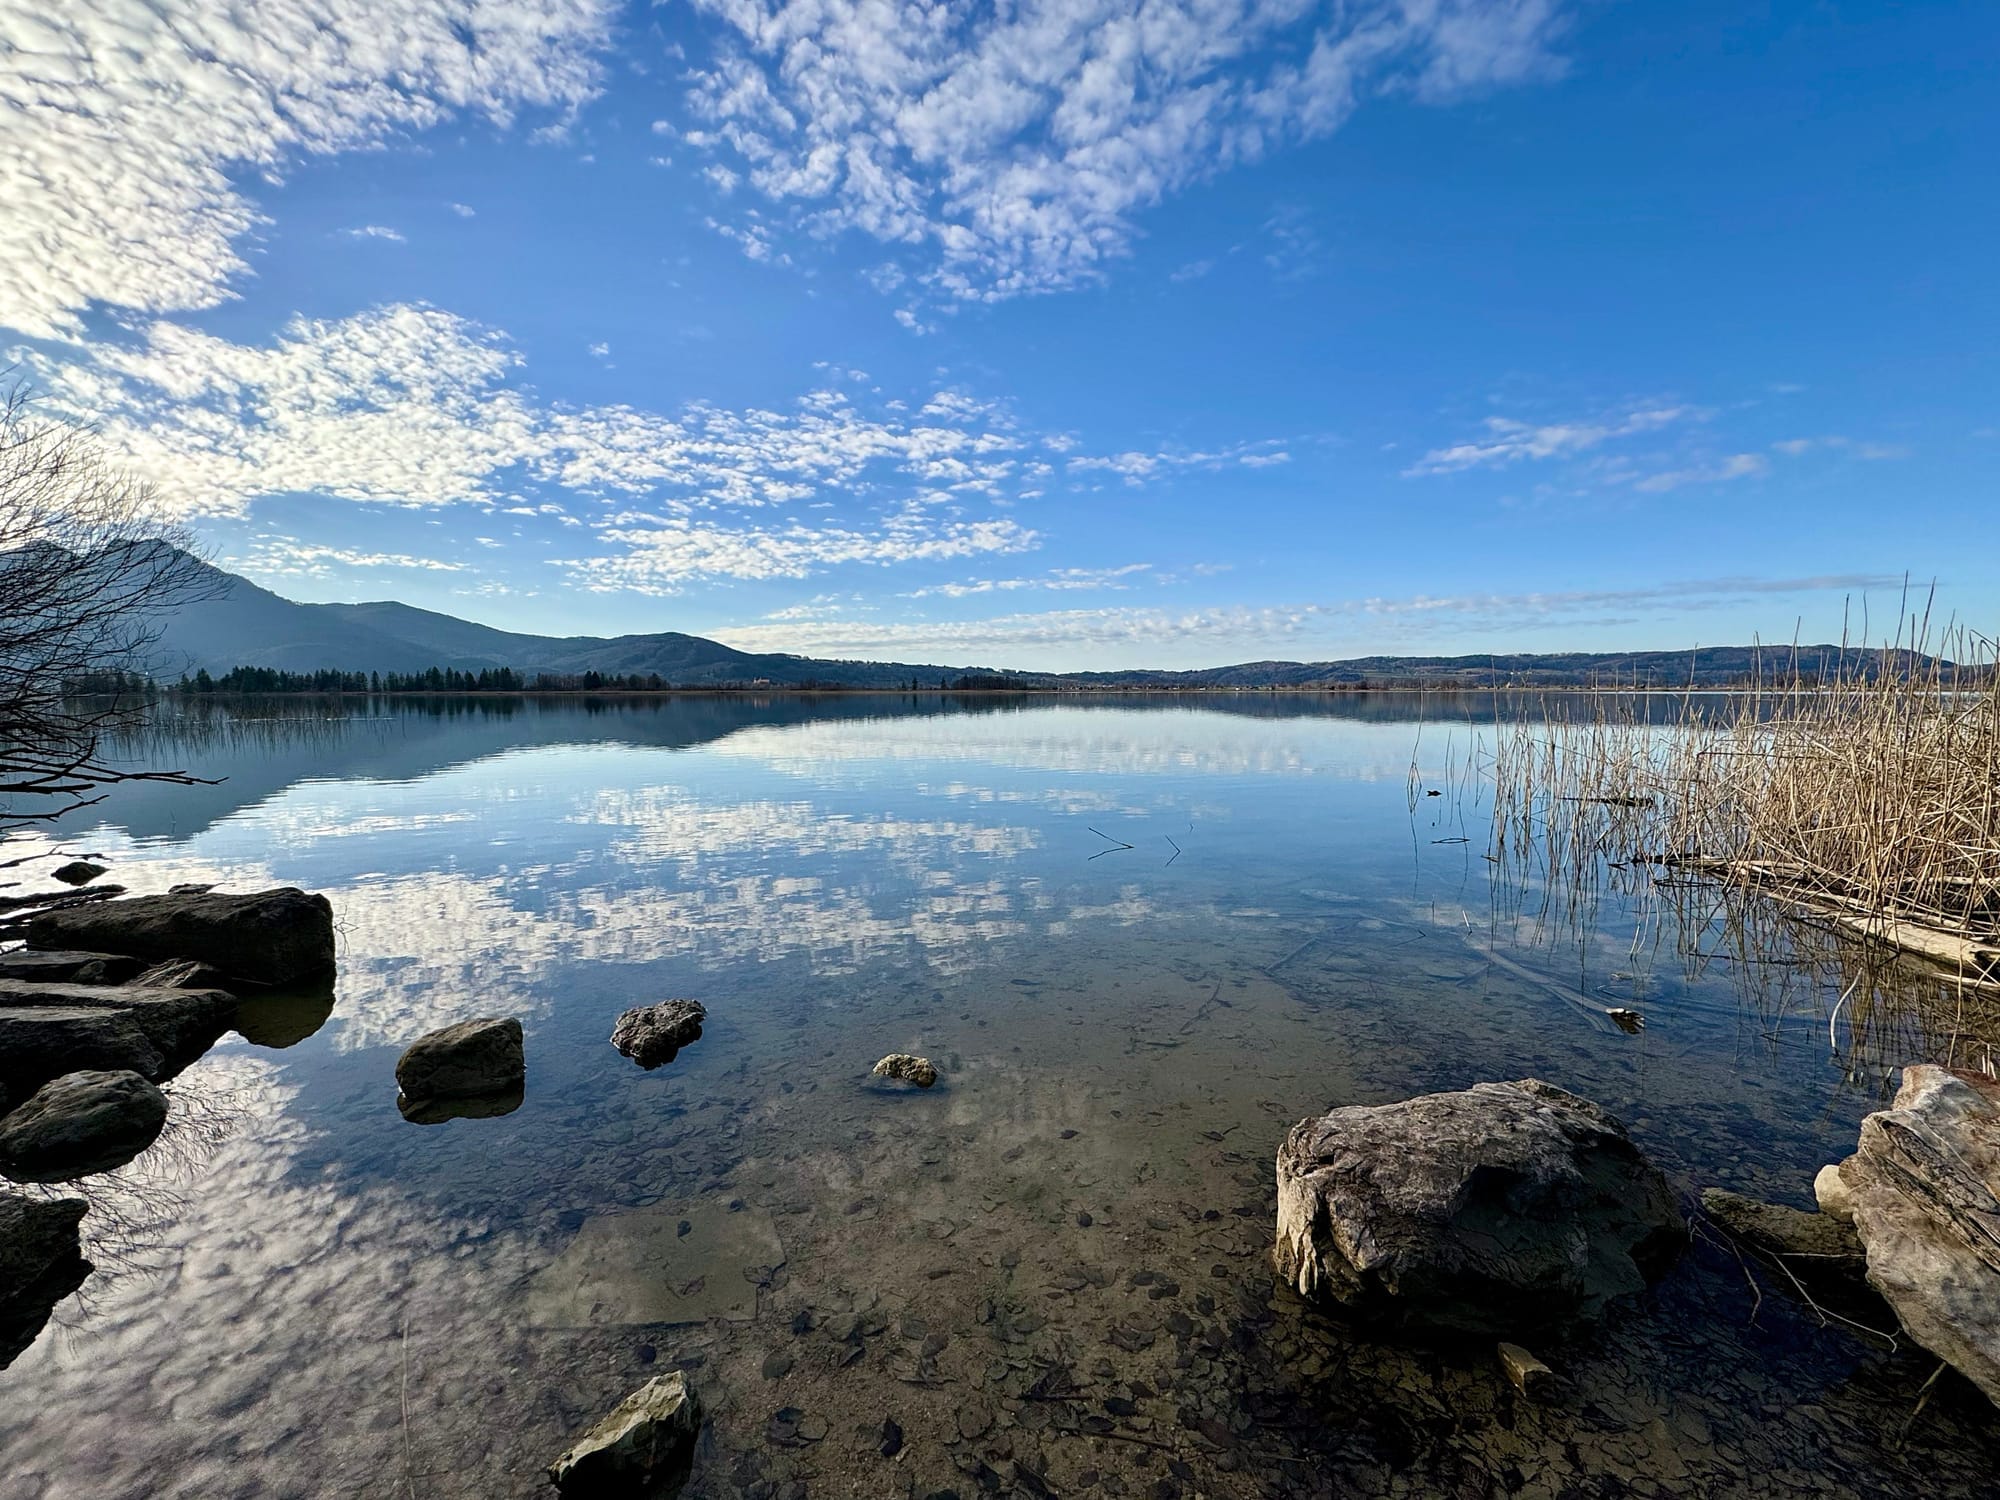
column 241, row 624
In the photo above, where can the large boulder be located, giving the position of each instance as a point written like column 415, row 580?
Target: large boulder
column 41, row 1262
column 80, row 1124
column 47, row 1030
column 644, row 1448
column 1511, row 1210
column 270, row 937
column 471, row 1059
column 652, row 1035
column 1923, row 1188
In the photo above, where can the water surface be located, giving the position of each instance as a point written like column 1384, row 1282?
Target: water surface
column 1141, row 939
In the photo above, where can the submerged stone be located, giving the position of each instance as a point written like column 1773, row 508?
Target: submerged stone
column 652, row 1035
column 472, row 1058
column 1778, row 1230
column 644, row 1448
column 1506, row 1209
column 81, row 1124
column 906, row 1067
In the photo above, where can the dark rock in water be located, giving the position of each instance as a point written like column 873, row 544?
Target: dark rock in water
column 80, row 1124
column 481, row 1057
column 77, row 872
column 466, row 1107
column 270, row 937
column 906, row 1067
column 651, row 1035
column 184, row 974
column 1924, row 1189
column 282, row 1020
column 645, row 1448
column 41, row 1262
column 60, row 966
column 1778, row 1230
column 47, row 1030
column 1507, row 1210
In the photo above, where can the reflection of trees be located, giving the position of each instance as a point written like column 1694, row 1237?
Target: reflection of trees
column 133, row 1209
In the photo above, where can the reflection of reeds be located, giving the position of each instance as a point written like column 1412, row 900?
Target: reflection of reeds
column 1848, row 824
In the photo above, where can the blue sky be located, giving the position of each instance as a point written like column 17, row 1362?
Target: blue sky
column 1070, row 335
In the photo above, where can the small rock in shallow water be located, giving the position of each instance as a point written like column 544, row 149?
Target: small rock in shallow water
column 77, row 872
column 644, row 1448
column 463, row 1061
column 892, row 1438
column 1529, row 1374
column 653, row 1035
column 906, row 1067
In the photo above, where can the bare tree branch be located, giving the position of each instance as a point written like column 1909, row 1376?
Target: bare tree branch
column 89, row 571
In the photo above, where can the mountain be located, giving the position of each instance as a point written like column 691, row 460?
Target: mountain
column 240, row 624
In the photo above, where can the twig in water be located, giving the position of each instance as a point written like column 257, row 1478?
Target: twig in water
column 1116, row 844
column 1177, row 848
column 1923, row 1397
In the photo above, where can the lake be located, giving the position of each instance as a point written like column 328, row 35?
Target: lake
column 1140, row 938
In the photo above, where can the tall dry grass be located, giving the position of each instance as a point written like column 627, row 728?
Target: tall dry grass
column 1850, row 820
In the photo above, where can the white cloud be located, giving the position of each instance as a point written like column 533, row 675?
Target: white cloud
column 375, row 232
column 1137, row 467
column 126, row 122
column 463, row 210
column 662, row 559
column 283, row 556
column 410, row 405
column 1253, row 631
column 1719, row 471
column 1057, row 580
column 1013, row 148
column 1507, row 441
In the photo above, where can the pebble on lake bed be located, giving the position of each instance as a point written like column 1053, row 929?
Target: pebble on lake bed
column 908, row 1068
column 644, row 1448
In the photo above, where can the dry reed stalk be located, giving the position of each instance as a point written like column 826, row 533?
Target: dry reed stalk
column 1866, row 801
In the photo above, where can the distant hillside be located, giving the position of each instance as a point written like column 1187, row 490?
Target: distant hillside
column 243, row 625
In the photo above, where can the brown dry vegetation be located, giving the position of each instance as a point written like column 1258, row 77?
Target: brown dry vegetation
column 1848, row 824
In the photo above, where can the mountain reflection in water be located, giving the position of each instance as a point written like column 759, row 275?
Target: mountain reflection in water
column 1049, row 1273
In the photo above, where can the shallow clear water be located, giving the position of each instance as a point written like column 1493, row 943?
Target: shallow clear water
column 301, row 1293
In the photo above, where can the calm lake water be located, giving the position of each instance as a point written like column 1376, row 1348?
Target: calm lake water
column 1140, row 938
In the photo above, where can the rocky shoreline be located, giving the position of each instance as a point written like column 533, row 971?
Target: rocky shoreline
column 1513, row 1215
column 109, row 1000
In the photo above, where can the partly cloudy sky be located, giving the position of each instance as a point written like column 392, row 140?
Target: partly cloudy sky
column 1068, row 333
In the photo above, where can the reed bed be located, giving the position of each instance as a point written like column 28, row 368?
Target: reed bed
column 1859, row 811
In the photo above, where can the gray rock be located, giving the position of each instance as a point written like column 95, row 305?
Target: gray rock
column 907, row 1067
column 77, row 872
column 270, row 937
column 80, row 1124
column 1924, row 1185
column 463, row 1061
column 651, row 1035
column 47, row 1030
column 60, row 966
column 1509, row 1210
column 41, row 1262
column 1778, row 1230
column 644, row 1448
